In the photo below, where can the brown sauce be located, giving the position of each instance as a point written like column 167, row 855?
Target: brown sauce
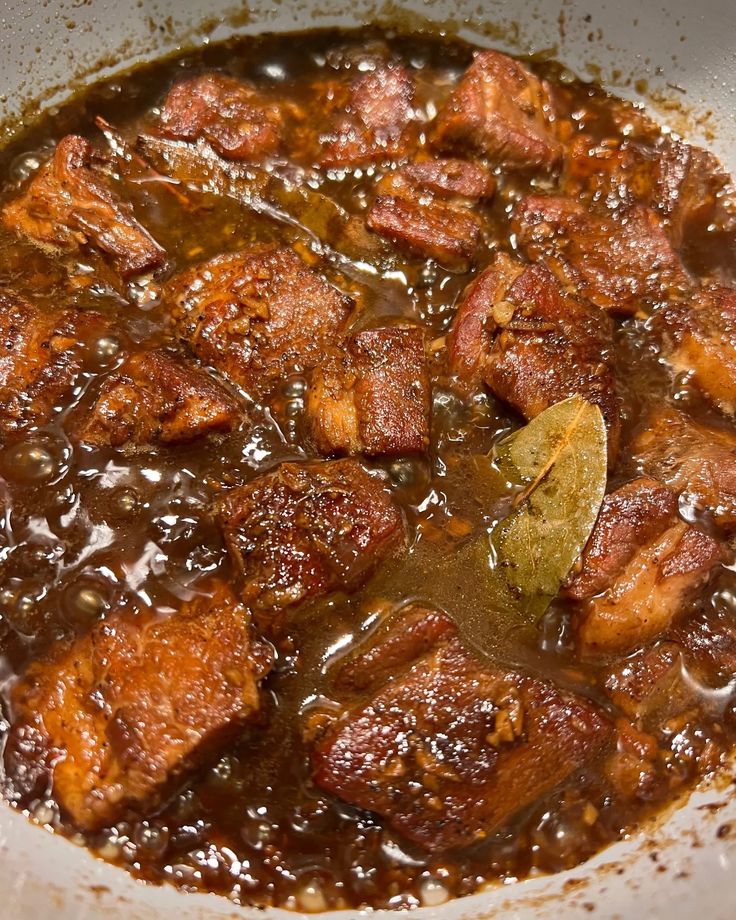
column 89, row 530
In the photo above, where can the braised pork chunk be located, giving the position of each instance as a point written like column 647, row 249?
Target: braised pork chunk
column 307, row 529
column 450, row 749
column 532, row 344
column 155, row 397
column 122, row 715
column 619, row 263
column 70, row 203
column 371, row 395
column 256, row 314
column 502, row 110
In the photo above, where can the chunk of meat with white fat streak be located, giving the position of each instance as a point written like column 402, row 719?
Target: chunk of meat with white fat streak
column 371, row 395
column 257, row 314
column 115, row 721
column 499, row 109
column 641, row 567
column 69, row 203
column 620, row 262
column 451, row 748
column 155, row 397
column 304, row 530
column 239, row 122
column 533, row 344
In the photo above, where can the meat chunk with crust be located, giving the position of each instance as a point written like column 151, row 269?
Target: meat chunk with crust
column 155, row 397
column 697, row 460
column 699, row 338
column 640, row 568
column 425, row 208
column 650, row 683
column 117, row 719
column 500, row 110
column 373, row 117
column 709, row 641
column 617, row 262
column 69, row 203
column 41, row 355
column 688, row 181
column 371, row 395
column 232, row 116
column 451, row 748
column 306, row 529
column 256, row 313
column 533, row 344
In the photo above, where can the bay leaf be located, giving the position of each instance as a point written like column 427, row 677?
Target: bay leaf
column 559, row 463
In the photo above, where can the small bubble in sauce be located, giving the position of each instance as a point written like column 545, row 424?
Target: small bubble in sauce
column 432, row 892
column 126, row 501
column 310, row 896
column 151, row 840
column 45, row 812
column 31, row 462
column 84, row 603
column 294, row 387
column 106, row 349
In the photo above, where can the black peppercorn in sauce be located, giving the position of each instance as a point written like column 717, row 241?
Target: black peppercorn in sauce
column 265, row 311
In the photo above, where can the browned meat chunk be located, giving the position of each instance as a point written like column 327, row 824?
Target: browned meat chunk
column 372, row 395
column 424, row 208
column 533, row 344
column 700, row 339
column 237, row 121
column 116, row 720
column 451, row 748
column 256, row 313
column 709, row 640
column 157, row 398
column 41, row 355
column 696, row 460
column 640, row 568
column 616, row 262
column 373, row 120
column 629, row 518
column 650, row 684
column 688, row 181
column 499, row 109
column 68, row 203
column 307, row 529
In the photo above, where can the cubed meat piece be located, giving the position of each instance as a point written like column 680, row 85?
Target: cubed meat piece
column 69, row 203
column 425, row 209
column 697, row 460
column 688, row 181
column 235, row 119
column 699, row 338
column 654, row 588
column 451, row 749
column 41, row 355
column 373, row 120
column 629, row 518
column 372, row 395
column 306, row 529
column 617, row 262
column 257, row 313
column 533, row 344
column 650, row 684
column 155, row 397
column 500, row 110
column 709, row 641
column 116, row 721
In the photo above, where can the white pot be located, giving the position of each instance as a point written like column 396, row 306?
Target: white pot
column 685, row 52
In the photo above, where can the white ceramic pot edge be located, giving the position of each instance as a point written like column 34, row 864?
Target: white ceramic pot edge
column 684, row 868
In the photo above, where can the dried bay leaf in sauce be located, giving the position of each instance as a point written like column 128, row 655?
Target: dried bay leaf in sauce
column 559, row 463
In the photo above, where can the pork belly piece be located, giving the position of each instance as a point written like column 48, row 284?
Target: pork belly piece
column 499, row 109
column 115, row 721
column 231, row 115
column 371, row 395
column 155, row 397
column 452, row 748
column 69, row 203
column 41, row 355
column 649, row 684
column 425, row 208
column 709, row 641
column 699, row 338
column 256, row 313
column 688, row 182
column 373, row 117
column 305, row 530
column 697, row 460
column 640, row 568
column 533, row 344
column 617, row 262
